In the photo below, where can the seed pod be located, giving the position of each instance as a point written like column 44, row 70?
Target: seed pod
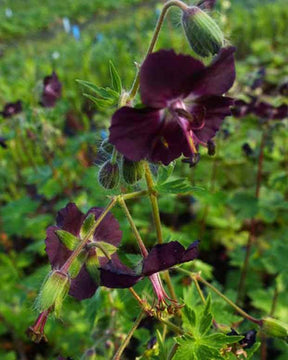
column 108, row 175
column 202, row 32
column 54, row 291
column 132, row 171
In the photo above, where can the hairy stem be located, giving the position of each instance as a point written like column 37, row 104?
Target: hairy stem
column 125, row 343
column 154, row 202
column 154, row 39
column 157, row 220
column 228, row 301
column 133, row 227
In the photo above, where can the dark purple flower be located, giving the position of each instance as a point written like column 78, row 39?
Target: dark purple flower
column 71, row 219
column 270, row 112
column 11, row 109
column 3, row 142
column 242, row 108
column 52, row 89
column 184, row 107
column 258, row 79
column 161, row 257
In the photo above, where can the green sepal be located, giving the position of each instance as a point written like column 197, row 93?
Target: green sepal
column 87, row 225
column 53, row 292
column 105, row 248
column 92, row 266
column 77, row 264
column 67, row 239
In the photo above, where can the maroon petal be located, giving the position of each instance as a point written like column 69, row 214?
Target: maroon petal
column 216, row 109
column 82, row 287
column 11, row 109
column 169, row 144
column 164, row 256
column 165, row 75
column 56, row 251
column 218, row 77
column 70, row 219
column 268, row 111
column 117, row 275
column 133, row 130
column 108, row 230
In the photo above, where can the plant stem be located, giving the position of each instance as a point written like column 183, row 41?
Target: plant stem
column 199, row 290
column 77, row 251
column 148, row 309
column 252, row 237
column 154, row 39
column 133, row 227
column 230, row 302
column 125, row 343
column 134, row 195
column 157, row 220
column 154, row 202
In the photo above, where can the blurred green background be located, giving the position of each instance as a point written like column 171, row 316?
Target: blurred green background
column 50, row 156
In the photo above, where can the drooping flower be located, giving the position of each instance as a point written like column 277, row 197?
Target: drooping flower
column 112, row 272
column 52, row 90
column 10, row 109
column 70, row 219
column 184, row 107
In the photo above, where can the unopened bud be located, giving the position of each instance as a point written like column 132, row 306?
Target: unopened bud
column 275, row 328
column 108, row 176
column 202, row 32
column 106, row 146
column 54, row 291
column 132, row 171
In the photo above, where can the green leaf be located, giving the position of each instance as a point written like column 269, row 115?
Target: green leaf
column 106, row 93
column 164, row 172
column 68, row 240
column 115, row 78
column 101, row 103
column 207, row 347
column 205, row 320
column 177, row 186
column 87, row 225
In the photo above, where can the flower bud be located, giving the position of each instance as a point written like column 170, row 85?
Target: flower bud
column 132, row 171
column 108, row 175
column 275, row 328
column 54, row 291
column 202, row 32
